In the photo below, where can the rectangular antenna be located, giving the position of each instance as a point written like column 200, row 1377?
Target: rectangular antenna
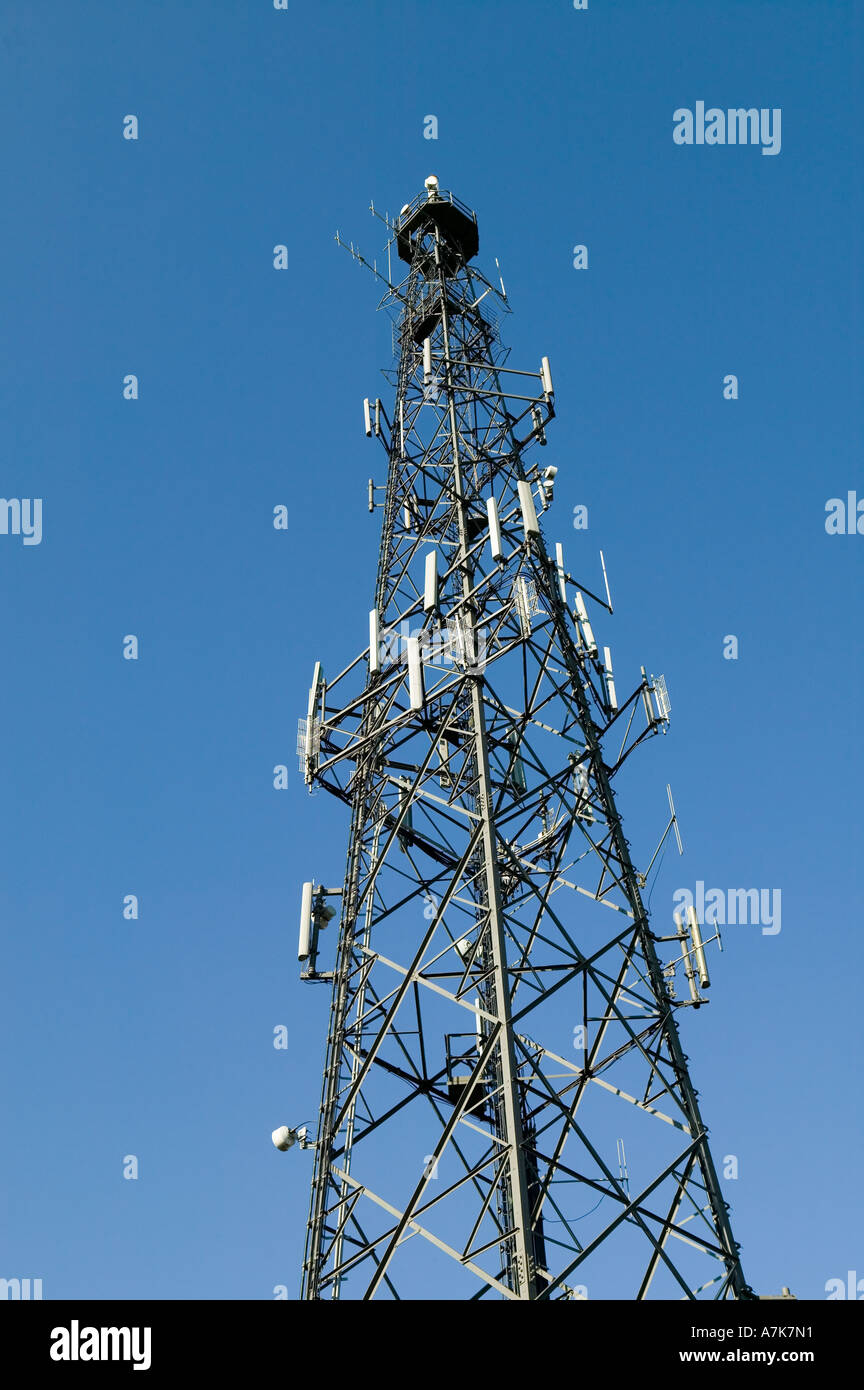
column 377, row 416
column 529, row 514
column 312, row 719
column 374, row 642
column 546, row 377
column 416, row 690
column 305, row 923
column 586, row 626
column 371, row 495
column 559, row 560
column 427, row 361
column 610, row 683
column 661, row 696
column 494, row 528
column 367, row 418
column 430, row 590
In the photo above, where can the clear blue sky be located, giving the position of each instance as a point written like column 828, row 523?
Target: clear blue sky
column 154, row 1037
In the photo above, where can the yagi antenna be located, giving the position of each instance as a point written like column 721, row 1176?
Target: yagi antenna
column 354, row 251
column 382, row 216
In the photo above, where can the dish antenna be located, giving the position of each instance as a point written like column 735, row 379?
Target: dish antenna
column 285, row 1138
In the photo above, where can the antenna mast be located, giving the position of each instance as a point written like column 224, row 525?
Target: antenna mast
column 502, row 1023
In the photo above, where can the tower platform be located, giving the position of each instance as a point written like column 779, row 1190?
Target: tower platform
column 456, row 223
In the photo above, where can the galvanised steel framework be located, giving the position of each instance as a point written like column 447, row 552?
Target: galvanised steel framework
column 502, row 1027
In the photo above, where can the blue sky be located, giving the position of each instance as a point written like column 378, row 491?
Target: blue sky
column 155, row 777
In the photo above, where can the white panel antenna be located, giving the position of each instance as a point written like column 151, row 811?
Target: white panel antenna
column 587, row 631
column 316, row 702
column 305, row 941
column 529, row 514
column 612, row 698
column 416, row 687
column 546, row 378
column 430, row 588
column 494, row 528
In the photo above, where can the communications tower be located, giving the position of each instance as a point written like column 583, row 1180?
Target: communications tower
column 506, row 1110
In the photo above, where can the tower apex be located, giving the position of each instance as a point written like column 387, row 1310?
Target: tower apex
column 437, row 207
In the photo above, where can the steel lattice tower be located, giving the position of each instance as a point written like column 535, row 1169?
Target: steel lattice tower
column 502, row 1027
